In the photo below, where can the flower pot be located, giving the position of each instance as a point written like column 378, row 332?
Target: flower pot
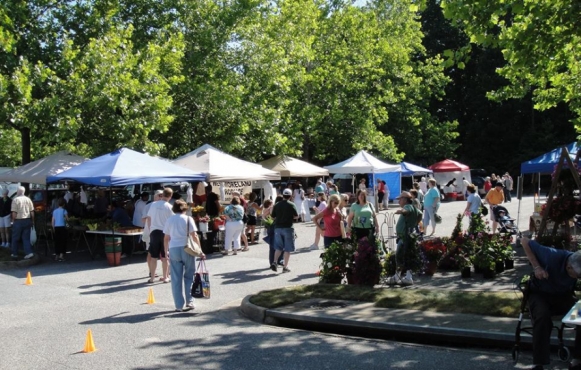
column 508, row 264
column 465, row 272
column 431, row 268
column 114, row 259
column 203, row 227
column 478, row 270
column 488, row 273
column 499, row 266
column 113, row 250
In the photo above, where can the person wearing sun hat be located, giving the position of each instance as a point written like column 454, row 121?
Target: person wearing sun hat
column 409, row 216
column 495, row 197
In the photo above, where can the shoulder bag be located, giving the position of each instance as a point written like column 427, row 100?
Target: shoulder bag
column 192, row 248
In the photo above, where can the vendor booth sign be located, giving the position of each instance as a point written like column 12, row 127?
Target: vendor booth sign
column 226, row 188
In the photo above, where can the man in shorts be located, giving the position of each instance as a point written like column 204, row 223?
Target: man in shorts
column 158, row 214
column 146, row 231
column 284, row 214
column 495, row 197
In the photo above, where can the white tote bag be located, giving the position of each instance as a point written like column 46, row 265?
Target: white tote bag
column 32, row 236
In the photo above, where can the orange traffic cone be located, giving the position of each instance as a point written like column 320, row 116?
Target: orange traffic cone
column 150, row 297
column 89, row 344
column 28, row 279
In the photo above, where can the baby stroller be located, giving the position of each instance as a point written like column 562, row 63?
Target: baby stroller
column 506, row 224
column 524, row 286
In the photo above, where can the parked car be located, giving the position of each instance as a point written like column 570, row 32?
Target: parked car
column 478, row 181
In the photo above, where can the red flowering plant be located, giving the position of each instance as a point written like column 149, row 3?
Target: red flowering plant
column 433, row 249
column 563, row 208
column 367, row 268
column 203, row 219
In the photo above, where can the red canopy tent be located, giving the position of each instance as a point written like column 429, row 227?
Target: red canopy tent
column 448, row 165
column 448, row 170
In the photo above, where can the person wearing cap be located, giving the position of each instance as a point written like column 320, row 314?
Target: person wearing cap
column 494, row 198
column 556, row 272
column 284, row 214
column 409, row 217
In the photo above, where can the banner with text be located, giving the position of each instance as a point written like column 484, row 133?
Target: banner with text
column 228, row 187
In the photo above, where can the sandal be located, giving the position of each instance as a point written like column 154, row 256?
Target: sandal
column 150, row 281
column 245, row 249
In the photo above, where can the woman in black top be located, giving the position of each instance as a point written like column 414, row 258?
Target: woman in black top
column 5, row 215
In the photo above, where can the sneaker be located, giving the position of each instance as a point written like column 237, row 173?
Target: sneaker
column 314, row 247
column 190, row 306
column 394, row 280
column 235, row 253
column 407, row 279
column 29, row 256
column 273, row 267
column 285, row 269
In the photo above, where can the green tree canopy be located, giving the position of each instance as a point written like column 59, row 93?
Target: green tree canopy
column 539, row 41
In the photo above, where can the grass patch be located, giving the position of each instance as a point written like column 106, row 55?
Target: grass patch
column 501, row 304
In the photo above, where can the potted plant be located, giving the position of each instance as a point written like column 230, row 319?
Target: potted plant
column 366, row 266
column 433, row 251
column 334, row 262
column 484, row 259
column 203, row 224
column 463, row 262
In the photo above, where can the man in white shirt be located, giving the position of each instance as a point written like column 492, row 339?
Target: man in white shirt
column 158, row 214
column 138, row 209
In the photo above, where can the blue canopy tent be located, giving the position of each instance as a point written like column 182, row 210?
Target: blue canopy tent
column 393, row 179
column 126, row 167
column 546, row 163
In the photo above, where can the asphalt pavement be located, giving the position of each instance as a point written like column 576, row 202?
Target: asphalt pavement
column 45, row 325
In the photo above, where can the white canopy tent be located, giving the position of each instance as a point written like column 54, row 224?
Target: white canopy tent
column 36, row 172
column 219, row 166
column 292, row 167
column 227, row 171
column 363, row 162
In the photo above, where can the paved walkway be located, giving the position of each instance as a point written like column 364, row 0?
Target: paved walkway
column 366, row 320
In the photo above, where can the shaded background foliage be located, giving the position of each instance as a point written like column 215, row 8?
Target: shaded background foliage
column 316, row 79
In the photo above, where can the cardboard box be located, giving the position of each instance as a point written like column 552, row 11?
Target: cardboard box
column 535, row 223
